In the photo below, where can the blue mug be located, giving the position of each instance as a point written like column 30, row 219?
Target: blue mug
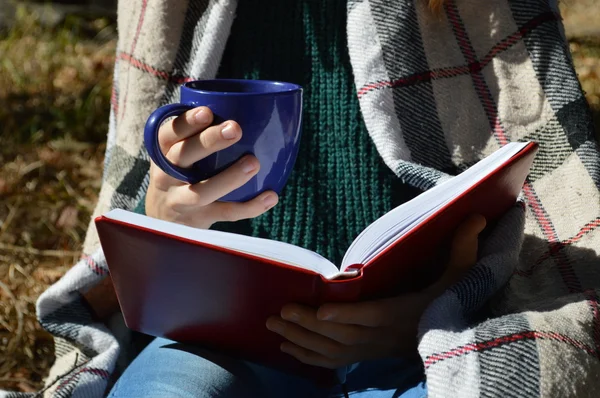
column 270, row 115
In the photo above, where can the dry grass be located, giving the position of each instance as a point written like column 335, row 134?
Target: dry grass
column 55, row 82
column 55, row 88
column 48, row 193
column 586, row 57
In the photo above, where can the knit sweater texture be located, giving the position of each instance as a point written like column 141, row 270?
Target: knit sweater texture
column 339, row 184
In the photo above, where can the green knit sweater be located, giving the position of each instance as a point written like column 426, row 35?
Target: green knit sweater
column 339, row 183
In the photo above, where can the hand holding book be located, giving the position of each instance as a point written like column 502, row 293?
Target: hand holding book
column 159, row 268
column 340, row 334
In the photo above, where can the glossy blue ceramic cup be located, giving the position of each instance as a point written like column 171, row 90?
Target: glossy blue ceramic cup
column 269, row 114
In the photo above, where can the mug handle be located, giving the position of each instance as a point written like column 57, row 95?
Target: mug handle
column 152, row 146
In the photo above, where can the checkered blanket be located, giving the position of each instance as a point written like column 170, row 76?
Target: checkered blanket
column 438, row 92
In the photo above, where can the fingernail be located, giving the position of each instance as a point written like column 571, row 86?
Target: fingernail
column 291, row 316
column 275, row 326
column 228, row 132
column 248, row 165
column 270, row 201
column 325, row 315
column 201, row 116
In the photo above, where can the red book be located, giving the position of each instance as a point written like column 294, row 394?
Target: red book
column 217, row 289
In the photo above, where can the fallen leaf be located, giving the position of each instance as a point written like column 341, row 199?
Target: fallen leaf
column 3, row 186
column 68, row 218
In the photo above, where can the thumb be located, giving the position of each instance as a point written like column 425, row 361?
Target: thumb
column 464, row 244
column 463, row 254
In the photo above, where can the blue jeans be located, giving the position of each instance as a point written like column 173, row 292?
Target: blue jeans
column 169, row 369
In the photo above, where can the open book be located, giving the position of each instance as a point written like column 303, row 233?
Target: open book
column 202, row 286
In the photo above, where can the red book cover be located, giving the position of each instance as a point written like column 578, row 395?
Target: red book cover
column 198, row 293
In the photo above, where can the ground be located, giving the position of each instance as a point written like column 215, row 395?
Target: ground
column 55, row 87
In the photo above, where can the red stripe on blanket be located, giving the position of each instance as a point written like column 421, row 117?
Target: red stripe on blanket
column 134, row 44
column 443, row 73
column 416, row 79
column 139, row 25
column 555, row 247
column 566, row 271
column 479, row 82
column 508, row 339
column 91, row 263
column 114, row 101
column 540, row 213
column 564, row 267
column 161, row 74
column 592, row 298
column 523, row 31
column 136, row 63
column 95, row 371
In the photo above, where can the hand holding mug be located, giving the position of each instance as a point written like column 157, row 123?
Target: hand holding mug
column 228, row 153
column 186, row 140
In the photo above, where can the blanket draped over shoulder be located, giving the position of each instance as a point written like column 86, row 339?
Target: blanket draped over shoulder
column 438, row 92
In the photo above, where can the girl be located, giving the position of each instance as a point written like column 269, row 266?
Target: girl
column 302, row 43
column 435, row 93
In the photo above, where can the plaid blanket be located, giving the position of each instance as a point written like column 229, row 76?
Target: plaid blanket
column 438, row 93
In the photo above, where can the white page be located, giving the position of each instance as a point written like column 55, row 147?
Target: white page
column 397, row 222
column 265, row 248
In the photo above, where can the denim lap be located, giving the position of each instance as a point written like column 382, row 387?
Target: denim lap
column 169, row 369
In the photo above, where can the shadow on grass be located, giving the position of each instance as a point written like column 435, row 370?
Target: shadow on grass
column 47, row 115
column 55, row 82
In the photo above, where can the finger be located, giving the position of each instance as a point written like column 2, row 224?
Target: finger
column 465, row 242
column 316, row 359
column 307, row 339
column 312, row 358
column 342, row 333
column 233, row 177
column 463, row 254
column 186, row 152
column 234, row 211
column 183, row 126
column 161, row 180
column 368, row 313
